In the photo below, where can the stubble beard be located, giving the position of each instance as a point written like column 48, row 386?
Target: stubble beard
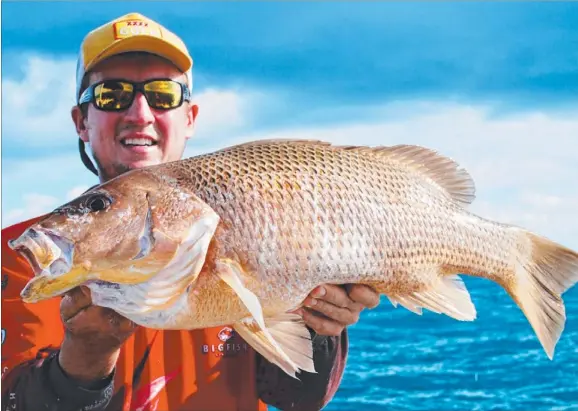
column 115, row 168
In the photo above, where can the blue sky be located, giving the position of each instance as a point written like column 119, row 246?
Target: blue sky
column 493, row 85
column 343, row 52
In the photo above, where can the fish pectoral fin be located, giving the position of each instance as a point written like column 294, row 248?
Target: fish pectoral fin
column 232, row 273
column 285, row 342
column 294, row 338
column 449, row 296
column 265, row 337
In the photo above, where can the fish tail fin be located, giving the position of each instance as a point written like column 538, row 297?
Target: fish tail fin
column 543, row 272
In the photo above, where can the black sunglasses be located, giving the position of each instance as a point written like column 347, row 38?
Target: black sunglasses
column 117, row 95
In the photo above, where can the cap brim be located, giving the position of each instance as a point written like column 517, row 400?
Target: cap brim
column 148, row 44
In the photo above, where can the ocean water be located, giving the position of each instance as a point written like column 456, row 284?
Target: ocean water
column 401, row 361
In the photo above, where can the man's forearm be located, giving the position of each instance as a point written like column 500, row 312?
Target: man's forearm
column 311, row 391
column 41, row 384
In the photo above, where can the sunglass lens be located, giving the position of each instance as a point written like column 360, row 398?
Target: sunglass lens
column 113, row 95
column 163, row 94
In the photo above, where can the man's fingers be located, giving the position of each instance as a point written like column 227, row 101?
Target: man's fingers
column 99, row 324
column 344, row 316
column 333, row 294
column 73, row 302
column 321, row 325
column 330, row 308
column 364, row 295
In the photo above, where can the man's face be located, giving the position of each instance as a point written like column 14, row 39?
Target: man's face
column 114, row 136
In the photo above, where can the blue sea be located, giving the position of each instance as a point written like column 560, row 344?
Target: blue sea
column 403, row 361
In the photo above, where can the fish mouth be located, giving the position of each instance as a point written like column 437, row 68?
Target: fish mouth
column 48, row 254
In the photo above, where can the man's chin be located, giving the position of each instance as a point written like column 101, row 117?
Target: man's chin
column 121, row 168
column 142, row 164
column 133, row 165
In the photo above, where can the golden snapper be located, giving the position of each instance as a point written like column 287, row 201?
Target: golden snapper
column 242, row 235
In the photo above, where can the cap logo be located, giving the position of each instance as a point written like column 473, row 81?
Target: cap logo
column 128, row 28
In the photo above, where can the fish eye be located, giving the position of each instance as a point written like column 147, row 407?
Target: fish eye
column 98, row 202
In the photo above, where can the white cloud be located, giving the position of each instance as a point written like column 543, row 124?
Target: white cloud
column 523, row 164
column 220, row 111
column 37, row 114
column 28, row 185
column 34, row 204
column 37, row 106
column 75, row 192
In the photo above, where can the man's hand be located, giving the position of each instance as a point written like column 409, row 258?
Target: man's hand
column 93, row 338
column 331, row 308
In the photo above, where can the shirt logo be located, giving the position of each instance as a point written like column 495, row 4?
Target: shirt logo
column 228, row 347
column 225, row 334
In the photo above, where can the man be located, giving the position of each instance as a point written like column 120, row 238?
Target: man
column 66, row 354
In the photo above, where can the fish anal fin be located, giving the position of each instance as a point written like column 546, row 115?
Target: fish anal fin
column 283, row 341
column 393, row 301
column 447, row 295
column 405, row 302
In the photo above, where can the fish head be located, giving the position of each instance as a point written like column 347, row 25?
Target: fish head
column 124, row 231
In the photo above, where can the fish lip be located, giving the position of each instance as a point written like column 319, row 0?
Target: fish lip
column 45, row 240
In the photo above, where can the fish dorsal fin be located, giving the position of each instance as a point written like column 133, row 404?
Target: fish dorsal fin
column 444, row 171
column 273, row 142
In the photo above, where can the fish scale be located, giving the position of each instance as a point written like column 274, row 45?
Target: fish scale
column 262, row 224
column 309, row 201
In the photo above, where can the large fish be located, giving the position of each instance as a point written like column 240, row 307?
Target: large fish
column 242, row 235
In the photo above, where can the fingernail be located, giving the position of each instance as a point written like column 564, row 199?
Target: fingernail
column 311, row 302
column 320, row 292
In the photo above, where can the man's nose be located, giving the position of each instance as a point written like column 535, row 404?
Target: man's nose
column 139, row 111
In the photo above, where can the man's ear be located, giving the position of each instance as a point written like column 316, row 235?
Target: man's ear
column 195, row 111
column 79, row 122
column 191, row 119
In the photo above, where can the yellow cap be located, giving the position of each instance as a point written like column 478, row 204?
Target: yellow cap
column 131, row 32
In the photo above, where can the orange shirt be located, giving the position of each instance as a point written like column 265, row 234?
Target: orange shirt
column 208, row 369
